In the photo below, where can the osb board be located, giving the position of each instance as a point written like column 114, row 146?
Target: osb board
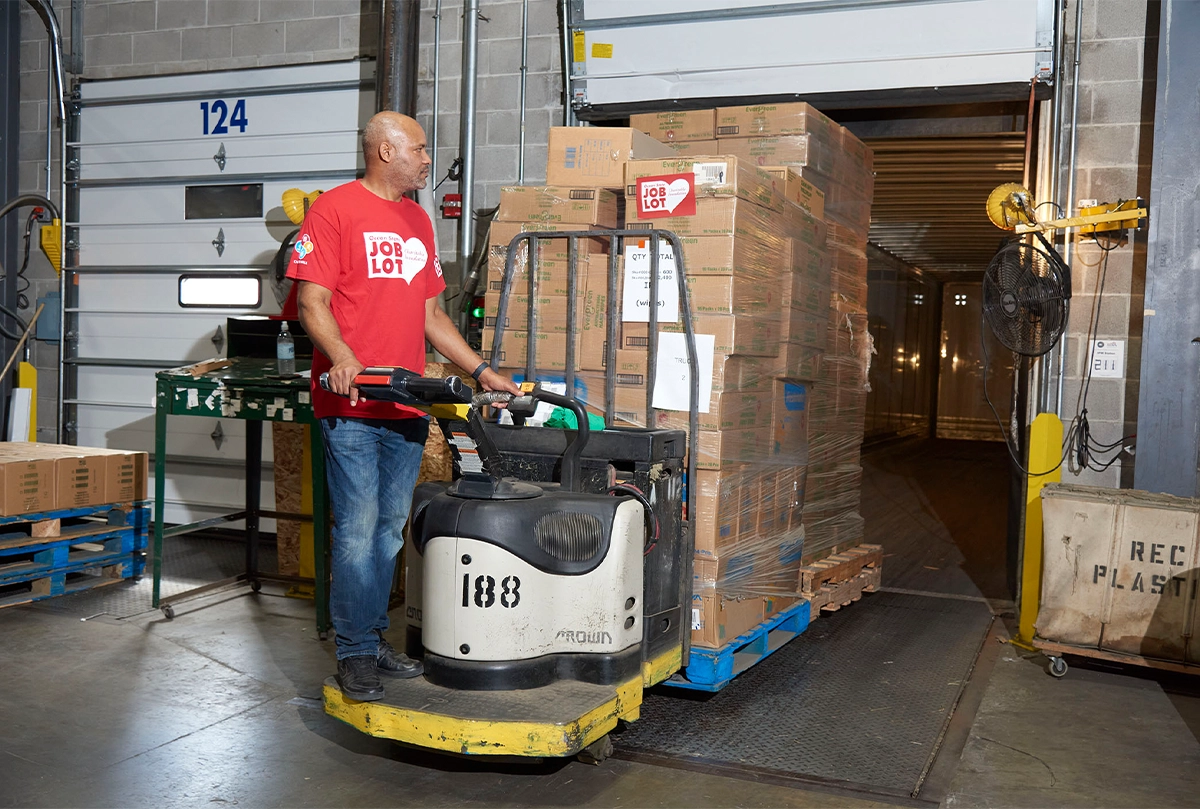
column 437, row 463
column 288, row 442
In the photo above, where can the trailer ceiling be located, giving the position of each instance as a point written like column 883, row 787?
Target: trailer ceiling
column 930, row 195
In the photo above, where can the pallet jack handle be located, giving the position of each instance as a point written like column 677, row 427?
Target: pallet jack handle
column 450, row 398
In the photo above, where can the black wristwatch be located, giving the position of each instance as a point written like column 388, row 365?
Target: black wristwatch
column 479, row 371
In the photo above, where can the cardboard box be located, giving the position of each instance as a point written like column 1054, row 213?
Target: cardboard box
column 720, row 176
column 676, row 125
column 502, row 233
column 547, row 204
column 595, row 156
column 125, row 474
column 734, row 334
column 762, row 120
column 726, row 448
column 551, row 349
column 26, row 486
column 785, row 150
column 717, row 216
column 79, row 472
column 718, row 619
column 798, row 190
column 800, row 362
column 789, row 421
column 728, row 410
column 694, row 147
column 550, row 311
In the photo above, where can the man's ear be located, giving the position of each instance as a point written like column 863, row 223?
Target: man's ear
column 386, row 152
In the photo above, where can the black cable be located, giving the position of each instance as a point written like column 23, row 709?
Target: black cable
column 651, row 517
column 1000, row 422
column 22, row 300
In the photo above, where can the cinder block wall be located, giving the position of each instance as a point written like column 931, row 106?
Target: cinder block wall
column 1117, row 75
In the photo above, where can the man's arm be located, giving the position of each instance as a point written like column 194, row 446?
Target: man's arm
column 316, row 316
column 441, row 332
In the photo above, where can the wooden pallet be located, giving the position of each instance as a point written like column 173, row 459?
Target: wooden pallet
column 841, row 579
column 713, row 669
column 832, row 597
column 53, row 553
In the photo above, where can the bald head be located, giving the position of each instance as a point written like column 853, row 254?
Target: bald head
column 394, row 152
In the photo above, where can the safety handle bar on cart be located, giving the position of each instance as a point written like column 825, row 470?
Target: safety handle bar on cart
column 571, row 476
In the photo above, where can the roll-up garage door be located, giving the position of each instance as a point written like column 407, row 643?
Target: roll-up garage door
column 647, row 54
column 182, row 176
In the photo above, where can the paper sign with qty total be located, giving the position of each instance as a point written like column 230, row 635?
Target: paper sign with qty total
column 635, row 301
column 673, row 380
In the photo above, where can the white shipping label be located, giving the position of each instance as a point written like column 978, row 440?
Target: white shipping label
column 710, row 173
column 635, row 303
column 1108, row 359
column 697, row 621
column 673, row 382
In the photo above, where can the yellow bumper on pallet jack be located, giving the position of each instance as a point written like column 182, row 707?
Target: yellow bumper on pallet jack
column 557, row 720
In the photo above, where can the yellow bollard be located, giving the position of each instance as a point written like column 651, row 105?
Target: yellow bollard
column 1045, row 452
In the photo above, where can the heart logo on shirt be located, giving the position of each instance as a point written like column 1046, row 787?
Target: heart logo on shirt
column 392, row 256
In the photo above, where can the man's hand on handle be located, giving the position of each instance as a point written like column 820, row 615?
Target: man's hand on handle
column 489, row 380
column 341, row 378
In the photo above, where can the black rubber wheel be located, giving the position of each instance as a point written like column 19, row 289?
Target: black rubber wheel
column 168, row 611
column 256, row 585
column 1058, row 667
column 323, row 635
column 597, row 751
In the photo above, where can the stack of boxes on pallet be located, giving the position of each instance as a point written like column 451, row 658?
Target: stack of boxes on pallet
column 805, row 141
column 73, row 519
column 767, row 292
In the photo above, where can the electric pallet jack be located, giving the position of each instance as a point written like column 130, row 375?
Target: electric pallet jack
column 542, row 609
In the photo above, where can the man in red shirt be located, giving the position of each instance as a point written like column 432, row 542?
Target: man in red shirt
column 368, row 276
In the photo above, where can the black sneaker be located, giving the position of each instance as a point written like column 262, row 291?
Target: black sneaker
column 394, row 664
column 359, row 678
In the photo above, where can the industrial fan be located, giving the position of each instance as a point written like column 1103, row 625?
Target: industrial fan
column 1027, row 287
column 1026, row 297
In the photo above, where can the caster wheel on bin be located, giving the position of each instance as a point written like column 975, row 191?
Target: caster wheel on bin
column 168, row 611
column 597, row 751
column 1058, row 667
column 324, row 635
column 256, row 585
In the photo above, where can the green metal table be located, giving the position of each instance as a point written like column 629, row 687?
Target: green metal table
column 248, row 389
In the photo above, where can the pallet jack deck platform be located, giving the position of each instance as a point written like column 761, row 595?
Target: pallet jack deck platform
column 559, row 719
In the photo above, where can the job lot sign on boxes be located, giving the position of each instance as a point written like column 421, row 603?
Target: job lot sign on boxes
column 1120, row 571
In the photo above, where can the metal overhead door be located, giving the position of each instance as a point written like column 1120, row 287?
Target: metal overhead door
column 648, row 54
column 138, row 146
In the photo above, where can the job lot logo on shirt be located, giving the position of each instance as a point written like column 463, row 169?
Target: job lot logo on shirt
column 390, row 255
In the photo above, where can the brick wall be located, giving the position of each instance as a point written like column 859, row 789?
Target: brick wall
column 1118, row 67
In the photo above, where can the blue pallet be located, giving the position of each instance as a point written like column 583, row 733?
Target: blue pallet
column 135, row 515
column 41, row 557
column 74, row 579
column 713, row 669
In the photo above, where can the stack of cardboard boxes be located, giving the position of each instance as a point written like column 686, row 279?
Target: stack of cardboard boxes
column 584, row 173
column 38, row 478
column 805, row 142
column 766, row 291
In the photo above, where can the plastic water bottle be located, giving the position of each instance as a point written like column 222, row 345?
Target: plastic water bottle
column 285, row 351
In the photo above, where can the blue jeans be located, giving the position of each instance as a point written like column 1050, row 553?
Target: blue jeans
column 372, row 467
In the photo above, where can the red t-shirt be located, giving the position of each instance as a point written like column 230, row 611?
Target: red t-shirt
column 380, row 260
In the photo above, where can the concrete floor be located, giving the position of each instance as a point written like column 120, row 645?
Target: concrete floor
column 220, row 707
